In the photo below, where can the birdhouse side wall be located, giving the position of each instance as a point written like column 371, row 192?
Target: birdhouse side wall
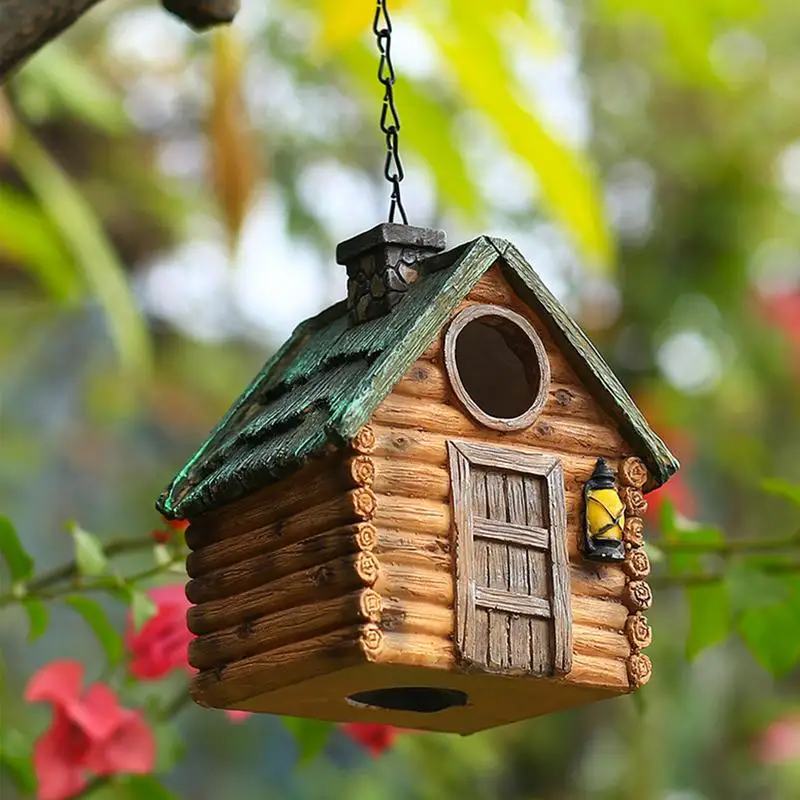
column 280, row 583
column 413, row 519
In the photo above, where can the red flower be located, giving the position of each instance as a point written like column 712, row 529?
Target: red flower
column 372, row 736
column 160, row 537
column 90, row 732
column 178, row 525
column 780, row 742
column 783, row 311
column 161, row 644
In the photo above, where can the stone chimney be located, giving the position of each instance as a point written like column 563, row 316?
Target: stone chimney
column 381, row 265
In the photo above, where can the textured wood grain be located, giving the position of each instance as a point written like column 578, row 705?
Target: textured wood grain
column 562, row 610
column 497, row 554
column 599, row 671
column 433, row 652
column 414, row 549
column 604, row 613
column 639, row 632
column 640, row 669
column 598, row 581
column 321, row 581
column 552, row 433
column 404, row 581
column 317, row 482
column 293, row 663
column 410, row 479
column 271, row 631
column 400, row 615
column 506, row 603
column 412, row 514
column 350, row 507
column 593, row 641
column 266, row 567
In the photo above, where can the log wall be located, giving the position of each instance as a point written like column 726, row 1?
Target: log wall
column 406, row 444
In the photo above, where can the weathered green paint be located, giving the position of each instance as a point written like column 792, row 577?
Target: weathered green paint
column 328, row 379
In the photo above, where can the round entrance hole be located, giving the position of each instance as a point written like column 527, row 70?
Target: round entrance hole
column 422, row 699
column 497, row 366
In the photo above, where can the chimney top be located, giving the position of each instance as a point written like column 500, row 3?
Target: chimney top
column 381, row 265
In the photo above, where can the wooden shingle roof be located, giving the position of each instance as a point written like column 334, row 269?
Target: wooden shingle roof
column 330, row 376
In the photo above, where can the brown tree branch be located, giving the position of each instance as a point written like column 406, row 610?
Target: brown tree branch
column 27, row 25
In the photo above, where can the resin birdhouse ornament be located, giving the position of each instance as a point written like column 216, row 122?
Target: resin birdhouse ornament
column 426, row 510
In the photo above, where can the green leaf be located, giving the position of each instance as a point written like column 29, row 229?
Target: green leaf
column 772, row 634
column 311, row 736
column 751, row 588
column 38, row 616
column 20, row 564
column 781, row 488
column 82, row 232
column 170, row 746
column 709, row 617
column 146, row 787
column 88, row 551
column 16, row 760
column 96, row 618
column 28, row 237
column 69, row 83
column 142, row 608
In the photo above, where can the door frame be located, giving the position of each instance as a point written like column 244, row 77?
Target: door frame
column 462, row 456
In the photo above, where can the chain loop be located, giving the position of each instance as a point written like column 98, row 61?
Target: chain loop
column 389, row 119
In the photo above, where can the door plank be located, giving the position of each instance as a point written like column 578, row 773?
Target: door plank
column 513, row 534
column 499, row 650
column 512, row 604
column 562, row 606
column 519, row 626
column 465, row 561
column 479, row 653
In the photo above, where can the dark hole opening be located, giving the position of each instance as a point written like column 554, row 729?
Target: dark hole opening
column 499, row 367
column 423, row 699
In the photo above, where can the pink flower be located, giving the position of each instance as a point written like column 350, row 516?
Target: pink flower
column 780, row 742
column 374, row 737
column 161, row 644
column 90, row 732
column 237, row 716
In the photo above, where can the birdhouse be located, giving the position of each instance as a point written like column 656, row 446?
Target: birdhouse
column 426, row 509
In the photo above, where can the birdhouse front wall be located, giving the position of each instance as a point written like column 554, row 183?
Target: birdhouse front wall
column 415, row 431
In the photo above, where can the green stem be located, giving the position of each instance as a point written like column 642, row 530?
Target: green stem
column 703, row 579
column 70, row 572
column 731, row 547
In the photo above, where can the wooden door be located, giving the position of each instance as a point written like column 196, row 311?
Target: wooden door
column 512, row 576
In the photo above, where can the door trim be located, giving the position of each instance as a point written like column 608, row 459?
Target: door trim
column 462, row 456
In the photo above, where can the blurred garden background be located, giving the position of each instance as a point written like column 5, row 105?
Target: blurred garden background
column 169, row 208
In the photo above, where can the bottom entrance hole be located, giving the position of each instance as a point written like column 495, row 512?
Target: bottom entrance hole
column 422, row 699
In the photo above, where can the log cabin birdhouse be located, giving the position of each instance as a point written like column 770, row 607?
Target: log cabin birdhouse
column 426, row 510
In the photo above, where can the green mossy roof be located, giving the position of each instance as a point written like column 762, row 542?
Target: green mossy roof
column 329, row 377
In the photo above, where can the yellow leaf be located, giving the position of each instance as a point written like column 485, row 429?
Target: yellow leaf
column 232, row 144
column 342, row 22
column 426, row 129
column 567, row 181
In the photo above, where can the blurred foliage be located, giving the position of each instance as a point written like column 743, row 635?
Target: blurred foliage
column 645, row 154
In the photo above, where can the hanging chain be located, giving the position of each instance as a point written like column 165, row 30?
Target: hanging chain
column 390, row 121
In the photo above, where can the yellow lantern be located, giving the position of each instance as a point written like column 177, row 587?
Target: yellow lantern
column 604, row 516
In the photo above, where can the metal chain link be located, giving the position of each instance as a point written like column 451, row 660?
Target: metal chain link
column 390, row 121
